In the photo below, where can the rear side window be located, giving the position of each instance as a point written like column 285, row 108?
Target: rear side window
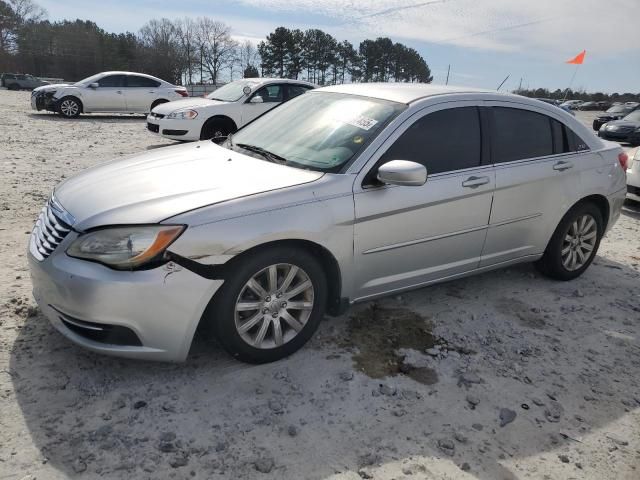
column 442, row 141
column 519, row 134
column 112, row 81
column 574, row 142
column 135, row 81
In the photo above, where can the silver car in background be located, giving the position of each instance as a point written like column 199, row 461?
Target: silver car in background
column 344, row 194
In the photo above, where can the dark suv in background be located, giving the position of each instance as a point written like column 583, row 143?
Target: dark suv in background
column 616, row 112
column 19, row 81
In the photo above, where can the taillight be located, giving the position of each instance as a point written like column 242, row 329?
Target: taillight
column 623, row 158
column 183, row 93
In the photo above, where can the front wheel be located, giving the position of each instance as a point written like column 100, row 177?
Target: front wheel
column 574, row 244
column 271, row 305
column 69, row 107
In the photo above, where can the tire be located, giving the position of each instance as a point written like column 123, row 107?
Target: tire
column 562, row 264
column 216, row 129
column 156, row 103
column 239, row 305
column 13, row 86
column 69, row 107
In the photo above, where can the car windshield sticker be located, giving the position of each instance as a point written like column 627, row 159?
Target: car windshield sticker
column 360, row 121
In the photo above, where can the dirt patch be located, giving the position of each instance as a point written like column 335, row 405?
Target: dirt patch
column 527, row 316
column 375, row 335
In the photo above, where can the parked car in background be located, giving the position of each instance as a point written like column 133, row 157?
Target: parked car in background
column 550, row 101
column 343, row 194
column 223, row 111
column 19, row 81
column 109, row 92
column 603, row 105
column 589, row 106
column 633, row 176
column 614, row 113
column 624, row 130
column 572, row 104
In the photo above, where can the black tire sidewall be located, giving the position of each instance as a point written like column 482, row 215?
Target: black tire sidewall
column 552, row 259
column 210, row 127
column 222, row 316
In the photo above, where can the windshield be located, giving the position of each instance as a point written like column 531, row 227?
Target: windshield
column 91, row 79
column 318, row 131
column 633, row 116
column 231, row 92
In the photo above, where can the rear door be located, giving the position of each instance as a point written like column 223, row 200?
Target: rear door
column 140, row 93
column 538, row 162
column 107, row 97
column 407, row 236
column 272, row 96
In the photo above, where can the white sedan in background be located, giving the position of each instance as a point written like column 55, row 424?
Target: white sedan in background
column 109, row 92
column 223, row 111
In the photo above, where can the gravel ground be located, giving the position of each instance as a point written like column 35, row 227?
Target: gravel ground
column 500, row 376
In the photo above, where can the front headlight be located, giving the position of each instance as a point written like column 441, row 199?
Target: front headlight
column 125, row 247
column 183, row 114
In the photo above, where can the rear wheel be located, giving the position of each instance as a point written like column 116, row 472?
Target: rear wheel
column 271, row 306
column 13, row 86
column 69, row 107
column 156, row 103
column 574, row 244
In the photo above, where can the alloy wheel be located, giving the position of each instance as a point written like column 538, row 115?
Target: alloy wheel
column 579, row 242
column 69, row 108
column 274, row 306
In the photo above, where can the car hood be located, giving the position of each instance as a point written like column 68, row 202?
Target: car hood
column 195, row 103
column 53, row 86
column 623, row 123
column 154, row 186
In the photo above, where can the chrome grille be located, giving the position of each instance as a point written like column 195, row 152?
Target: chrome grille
column 49, row 230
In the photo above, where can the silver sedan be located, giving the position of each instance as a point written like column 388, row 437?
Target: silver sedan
column 341, row 195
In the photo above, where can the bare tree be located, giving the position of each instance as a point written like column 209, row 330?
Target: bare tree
column 217, row 48
column 163, row 49
column 248, row 55
column 186, row 29
column 27, row 11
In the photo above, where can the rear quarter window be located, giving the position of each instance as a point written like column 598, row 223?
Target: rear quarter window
column 519, row 134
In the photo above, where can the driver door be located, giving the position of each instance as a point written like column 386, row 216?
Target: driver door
column 407, row 236
column 272, row 96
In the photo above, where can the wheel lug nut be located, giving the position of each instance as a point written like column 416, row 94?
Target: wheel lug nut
column 284, row 304
column 268, row 299
column 274, row 315
column 265, row 310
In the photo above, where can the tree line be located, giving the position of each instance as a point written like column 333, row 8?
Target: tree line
column 579, row 95
column 188, row 50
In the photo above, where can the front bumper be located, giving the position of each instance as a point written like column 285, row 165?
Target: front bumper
column 160, row 307
column 44, row 101
column 174, row 129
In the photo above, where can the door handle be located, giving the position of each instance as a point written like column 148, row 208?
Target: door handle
column 562, row 165
column 473, row 182
column 119, row 91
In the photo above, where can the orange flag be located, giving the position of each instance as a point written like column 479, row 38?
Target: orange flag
column 578, row 59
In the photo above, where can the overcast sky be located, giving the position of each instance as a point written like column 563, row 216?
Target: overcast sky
column 483, row 40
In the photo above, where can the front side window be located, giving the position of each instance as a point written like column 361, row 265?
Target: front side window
column 140, row 82
column 519, row 134
column 112, row 81
column 319, row 131
column 442, row 141
column 270, row 94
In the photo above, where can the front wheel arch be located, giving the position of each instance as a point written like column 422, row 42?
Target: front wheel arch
column 157, row 102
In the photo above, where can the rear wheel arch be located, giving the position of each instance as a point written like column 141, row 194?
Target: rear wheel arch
column 157, row 102
column 599, row 201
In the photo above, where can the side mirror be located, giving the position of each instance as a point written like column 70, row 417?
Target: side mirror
column 256, row 99
column 94, row 85
column 402, row 172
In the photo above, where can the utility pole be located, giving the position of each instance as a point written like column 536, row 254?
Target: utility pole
column 520, row 86
column 448, row 70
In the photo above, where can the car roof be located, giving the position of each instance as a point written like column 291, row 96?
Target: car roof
column 402, row 92
column 265, row 80
column 118, row 72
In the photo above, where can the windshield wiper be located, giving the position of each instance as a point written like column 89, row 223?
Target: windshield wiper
column 270, row 156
